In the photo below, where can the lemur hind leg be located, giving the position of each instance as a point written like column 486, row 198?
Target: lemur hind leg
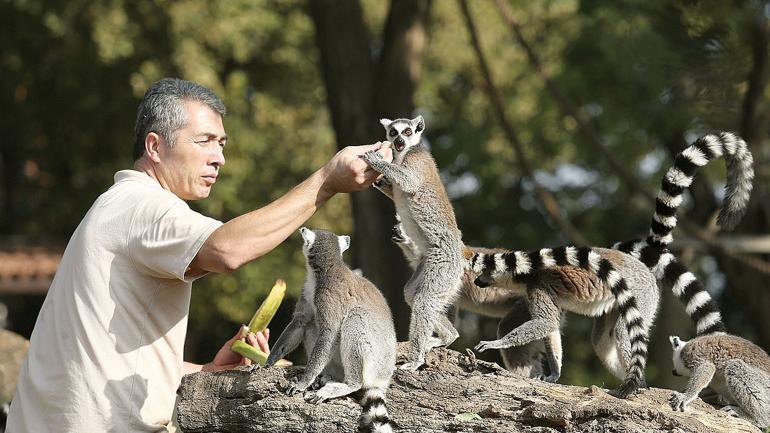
column 749, row 388
column 604, row 338
column 545, row 316
column 432, row 288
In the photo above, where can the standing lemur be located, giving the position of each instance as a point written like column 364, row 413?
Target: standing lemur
column 653, row 251
column 347, row 329
column 428, row 219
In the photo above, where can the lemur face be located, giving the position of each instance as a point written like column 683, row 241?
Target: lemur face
column 403, row 133
column 680, row 369
column 490, row 273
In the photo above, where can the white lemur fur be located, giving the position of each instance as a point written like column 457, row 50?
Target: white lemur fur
column 622, row 296
column 737, row 369
column 348, row 332
column 428, row 219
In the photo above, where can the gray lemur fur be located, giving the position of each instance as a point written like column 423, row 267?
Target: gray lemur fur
column 347, row 329
column 737, row 369
column 610, row 285
column 428, row 219
column 538, row 359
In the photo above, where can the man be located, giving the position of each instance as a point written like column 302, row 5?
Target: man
column 106, row 351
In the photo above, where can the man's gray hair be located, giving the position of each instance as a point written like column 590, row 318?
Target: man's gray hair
column 162, row 109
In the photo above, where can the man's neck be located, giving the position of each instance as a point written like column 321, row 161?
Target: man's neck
column 146, row 166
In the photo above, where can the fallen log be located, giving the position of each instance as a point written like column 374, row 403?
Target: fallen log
column 453, row 393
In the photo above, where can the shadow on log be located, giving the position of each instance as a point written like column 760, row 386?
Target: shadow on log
column 453, row 393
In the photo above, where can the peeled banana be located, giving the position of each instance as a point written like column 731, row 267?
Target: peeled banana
column 259, row 322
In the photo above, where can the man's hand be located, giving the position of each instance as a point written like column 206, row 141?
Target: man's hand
column 347, row 171
column 226, row 359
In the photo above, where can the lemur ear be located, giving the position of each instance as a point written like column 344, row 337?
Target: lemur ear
column 675, row 341
column 418, row 123
column 344, row 243
column 308, row 236
column 385, row 123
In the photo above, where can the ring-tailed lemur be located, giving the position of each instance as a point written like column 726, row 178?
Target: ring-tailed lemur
column 348, row 332
column 653, row 251
column 623, row 297
column 539, row 359
column 737, row 369
column 429, row 220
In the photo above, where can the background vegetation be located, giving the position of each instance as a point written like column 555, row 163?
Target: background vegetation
column 607, row 93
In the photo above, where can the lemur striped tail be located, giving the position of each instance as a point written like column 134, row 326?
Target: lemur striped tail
column 703, row 311
column 374, row 416
column 522, row 264
column 678, row 178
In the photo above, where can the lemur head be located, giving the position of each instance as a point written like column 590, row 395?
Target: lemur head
column 319, row 244
column 490, row 269
column 677, row 344
column 403, row 133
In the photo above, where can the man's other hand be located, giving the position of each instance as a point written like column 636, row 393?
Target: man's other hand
column 226, row 359
column 347, row 172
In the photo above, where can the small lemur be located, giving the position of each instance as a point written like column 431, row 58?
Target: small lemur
column 429, row 220
column 737, row 369
column 612, row 286
column 348, row 332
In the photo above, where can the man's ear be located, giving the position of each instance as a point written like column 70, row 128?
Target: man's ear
column 152, row 143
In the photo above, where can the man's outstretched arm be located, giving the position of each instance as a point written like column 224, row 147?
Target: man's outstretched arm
column 254, row 234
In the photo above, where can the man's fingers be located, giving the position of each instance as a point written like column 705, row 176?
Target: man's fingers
column 261, row 342
column 370, row 177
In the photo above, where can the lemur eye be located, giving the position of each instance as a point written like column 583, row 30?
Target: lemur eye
column 408, row 132
column 393, row 133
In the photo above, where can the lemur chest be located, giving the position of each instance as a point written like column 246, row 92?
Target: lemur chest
column 308, row 291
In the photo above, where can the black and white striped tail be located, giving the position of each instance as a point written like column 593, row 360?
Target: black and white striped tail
column 374, row 416
column 678, row 178
column 520, row 264
column 698, row 303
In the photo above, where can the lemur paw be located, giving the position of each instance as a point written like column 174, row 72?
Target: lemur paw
column 253, row 367
column 411, row 366
column 626, row 389
column 678, row 401
column 551, row 378
column 373, row 158
column 296, row 386
column 314, row 397
column 320, row 381
column 397, row 234
column 486, row 345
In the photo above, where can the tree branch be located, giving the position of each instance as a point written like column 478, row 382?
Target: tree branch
column 546, row 198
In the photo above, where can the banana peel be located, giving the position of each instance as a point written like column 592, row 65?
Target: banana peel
column 259, row 322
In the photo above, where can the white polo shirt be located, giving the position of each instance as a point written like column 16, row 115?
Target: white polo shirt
column 106, row 351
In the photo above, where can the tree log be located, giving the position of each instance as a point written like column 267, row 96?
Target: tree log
column 453, row 393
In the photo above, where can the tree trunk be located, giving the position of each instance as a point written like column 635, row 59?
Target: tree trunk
column 359, row 91
column 454, row 393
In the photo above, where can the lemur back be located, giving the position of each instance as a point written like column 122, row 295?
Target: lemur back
column 625, row 310
column 347, row 329
column 737, row 369
column 428, row 219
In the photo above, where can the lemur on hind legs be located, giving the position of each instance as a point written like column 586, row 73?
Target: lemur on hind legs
column 428, row 218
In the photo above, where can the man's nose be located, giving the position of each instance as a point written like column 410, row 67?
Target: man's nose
column 218, row 157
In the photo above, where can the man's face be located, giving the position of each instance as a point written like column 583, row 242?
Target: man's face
column 191, row 166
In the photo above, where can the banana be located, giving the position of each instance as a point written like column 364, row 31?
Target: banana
column 259, row 322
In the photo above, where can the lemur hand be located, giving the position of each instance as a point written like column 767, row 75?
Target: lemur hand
column 678, row 401
column 373, row 158
column 296, row 385
column 397, row 234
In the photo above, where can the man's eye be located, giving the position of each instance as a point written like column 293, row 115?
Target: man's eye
column 393, row 132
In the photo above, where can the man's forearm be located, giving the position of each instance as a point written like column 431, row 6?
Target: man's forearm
column 251, row 235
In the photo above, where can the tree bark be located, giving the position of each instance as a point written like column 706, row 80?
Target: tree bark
column 360, row 90
column 454, row 393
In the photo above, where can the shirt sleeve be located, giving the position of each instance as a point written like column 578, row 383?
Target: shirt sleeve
column 164, row 247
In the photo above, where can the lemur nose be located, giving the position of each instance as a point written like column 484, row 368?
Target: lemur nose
column 399, row 141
